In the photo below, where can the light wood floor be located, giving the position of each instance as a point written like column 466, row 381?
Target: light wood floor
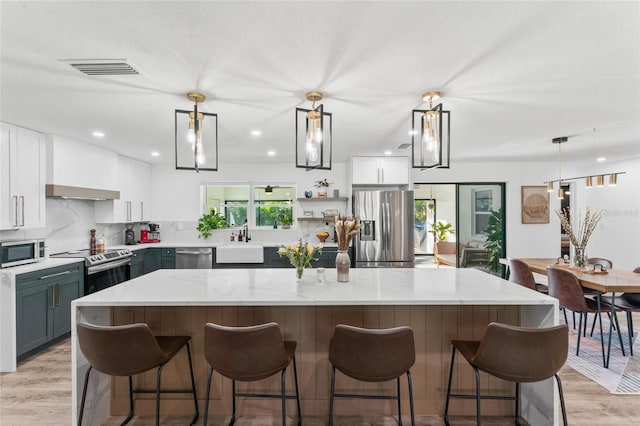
column 39, row 393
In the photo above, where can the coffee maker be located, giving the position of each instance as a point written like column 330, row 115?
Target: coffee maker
column 129, row 236
column 152, row 235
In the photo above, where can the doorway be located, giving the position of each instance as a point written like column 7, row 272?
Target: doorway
column 477, row 214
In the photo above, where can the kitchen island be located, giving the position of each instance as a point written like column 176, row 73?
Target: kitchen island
column 439, row 304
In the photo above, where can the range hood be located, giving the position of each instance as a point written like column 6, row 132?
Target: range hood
column 75, row 192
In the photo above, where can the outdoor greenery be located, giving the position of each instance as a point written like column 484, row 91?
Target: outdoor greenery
column 210, row 221
column 493, row 244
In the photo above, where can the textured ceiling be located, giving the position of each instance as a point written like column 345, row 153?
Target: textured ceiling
column 514, row 75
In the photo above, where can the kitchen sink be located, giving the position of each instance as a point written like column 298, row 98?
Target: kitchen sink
column 239, row 253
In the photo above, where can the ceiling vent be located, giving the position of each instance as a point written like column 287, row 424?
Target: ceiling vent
column 102, row 66
column 404, row 146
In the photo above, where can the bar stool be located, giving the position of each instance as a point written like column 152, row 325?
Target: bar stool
column 372, row 355
column 248, row 354
column 127, row 350
column 514, row 354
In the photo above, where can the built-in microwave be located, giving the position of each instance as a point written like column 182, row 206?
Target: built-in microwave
column 14, row 253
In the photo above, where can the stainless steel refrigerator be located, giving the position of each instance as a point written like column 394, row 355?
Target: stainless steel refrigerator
column 386, row 235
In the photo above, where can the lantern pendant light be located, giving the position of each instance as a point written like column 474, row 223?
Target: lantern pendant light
column 190, row 144
column 313, row 135
column 430, row 135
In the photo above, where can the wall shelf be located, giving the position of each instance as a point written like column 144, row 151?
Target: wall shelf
column 329, row 219
column 324, row 199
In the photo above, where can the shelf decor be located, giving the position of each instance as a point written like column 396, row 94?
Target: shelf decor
column 313, row 135
column 300, row 255
column 346, row 229
column 196, row 137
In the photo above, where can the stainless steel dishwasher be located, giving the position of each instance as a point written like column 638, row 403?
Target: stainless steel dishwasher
column 194, row 258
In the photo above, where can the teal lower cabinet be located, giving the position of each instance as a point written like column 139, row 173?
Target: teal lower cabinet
column 138, row 263
column 152, row 260
column 168, row 258
column 43, row 304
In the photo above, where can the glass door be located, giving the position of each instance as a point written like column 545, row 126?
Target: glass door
column 424, row 214
column 481, row 226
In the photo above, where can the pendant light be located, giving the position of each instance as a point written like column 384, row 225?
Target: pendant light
column 196, row 137
column 313, row 135
column 430, row 140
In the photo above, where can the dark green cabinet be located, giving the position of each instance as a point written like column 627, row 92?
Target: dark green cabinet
column 168, row 258
column 138, row 264
column 152, row 260
column 43, row 304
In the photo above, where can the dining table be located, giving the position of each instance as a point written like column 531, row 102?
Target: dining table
column 611, row 281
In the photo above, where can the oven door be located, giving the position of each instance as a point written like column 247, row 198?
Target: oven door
column 106, row 275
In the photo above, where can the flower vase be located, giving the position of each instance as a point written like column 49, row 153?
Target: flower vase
column 299, row 272
column 343, row 264
column 579, row 257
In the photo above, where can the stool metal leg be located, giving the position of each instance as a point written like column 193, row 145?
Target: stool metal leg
column 413, row 417
column 478, row 421
column 399, row 409
column 130, row 415
column 206, row 401
column 158, row 380
column 284, row 398
column 233, row 412
column 518, row 402
column 333, row 385
column 295, row 377
column 562, row 406
column 193, row 387
column 446, row 404
column 84, row 395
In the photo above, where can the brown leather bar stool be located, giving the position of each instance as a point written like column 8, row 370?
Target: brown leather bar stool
column 127, row 350
column 514, row 354
column 247, row 354
column 372, row 355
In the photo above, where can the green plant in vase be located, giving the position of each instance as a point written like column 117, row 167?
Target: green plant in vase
column 442, row 230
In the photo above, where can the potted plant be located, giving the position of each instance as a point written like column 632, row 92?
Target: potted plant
column 442, row 230
column 323, row 186
column 493, row 243
column 210, row 221
column 286, row 220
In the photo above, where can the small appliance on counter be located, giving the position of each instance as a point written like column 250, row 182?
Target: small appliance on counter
column 15, row 253
column 129, row 236
column 150, row 236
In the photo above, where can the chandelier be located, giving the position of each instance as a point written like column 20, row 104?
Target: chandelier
column 196, row 137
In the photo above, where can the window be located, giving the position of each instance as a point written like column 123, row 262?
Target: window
column 251, row 203
column 482, row 207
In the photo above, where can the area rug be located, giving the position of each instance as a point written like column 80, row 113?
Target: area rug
column 623, row 375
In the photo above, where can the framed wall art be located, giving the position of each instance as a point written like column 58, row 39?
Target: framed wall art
column 535, row 204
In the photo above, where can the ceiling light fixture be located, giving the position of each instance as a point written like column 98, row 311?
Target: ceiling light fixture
column 268, row 190
column 271, row 153
column 430, row 135
column 256, row 132
column 155, row 154
column 191, row 137
column 589, row 180
column 313, row 139
column 98, row 134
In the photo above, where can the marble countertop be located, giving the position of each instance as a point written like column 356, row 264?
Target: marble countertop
column 169, row 244
column 278, row 287
column 9, row 273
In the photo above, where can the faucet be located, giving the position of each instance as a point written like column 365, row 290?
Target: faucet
column 246, row 231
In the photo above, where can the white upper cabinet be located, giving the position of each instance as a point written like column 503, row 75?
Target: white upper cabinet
column 134, row 205
column 22, row 178
column 380, row 171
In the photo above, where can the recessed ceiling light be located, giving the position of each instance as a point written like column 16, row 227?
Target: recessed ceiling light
column 155, row 154
column 256, row 132
column 412, row 132
column 601, row 159
column 98, row 134
column 271, row 153
column 387, row 153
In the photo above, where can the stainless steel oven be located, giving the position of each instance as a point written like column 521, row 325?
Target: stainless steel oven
column 14, row 253
column 103, row 270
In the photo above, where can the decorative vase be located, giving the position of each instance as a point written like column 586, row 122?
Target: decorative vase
column 299, row 272
column 579, row 257
column 308, row 194
column 343, row 264
column 322, row 193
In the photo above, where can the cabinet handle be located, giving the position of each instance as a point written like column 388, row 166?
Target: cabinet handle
column 44, row 277
column 58, row 287
column 141, row 210
column 382, row 175
column 22, row 199
column 15, row 197
column 53, row 297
